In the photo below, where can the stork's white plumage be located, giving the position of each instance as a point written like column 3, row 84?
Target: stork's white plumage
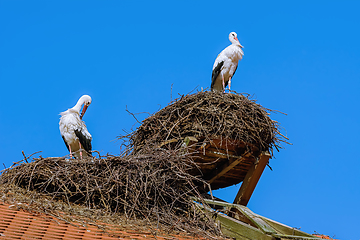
column 226, row 64
column 73, row 130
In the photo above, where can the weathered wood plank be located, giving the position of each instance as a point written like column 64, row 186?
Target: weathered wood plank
column 251, row 180
column 240, row 229
column 228, row 166
column 236, row 229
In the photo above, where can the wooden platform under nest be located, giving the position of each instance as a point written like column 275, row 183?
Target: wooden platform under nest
column 226, row 162
column 223, row 162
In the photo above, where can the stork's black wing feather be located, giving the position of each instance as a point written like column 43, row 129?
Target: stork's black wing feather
column 215, row 73
column 67, row 146
column 85, row 142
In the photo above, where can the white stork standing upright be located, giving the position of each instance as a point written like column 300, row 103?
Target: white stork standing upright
column 73, row 130
column 226, row 64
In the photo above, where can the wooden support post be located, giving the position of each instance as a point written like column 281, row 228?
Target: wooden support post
column 251, row 179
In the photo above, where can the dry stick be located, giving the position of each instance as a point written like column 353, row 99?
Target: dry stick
column 97, row 153
column 25, row 158
column 101, row 196
column 15, row 163
column 171, row 92
column 32, row 175
column 132, row 115
column 126, row 194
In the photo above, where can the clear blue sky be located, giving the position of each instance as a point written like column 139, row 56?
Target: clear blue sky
column 301, row 58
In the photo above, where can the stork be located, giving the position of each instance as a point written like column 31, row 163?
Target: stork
column 226, row 64
column 73, row 130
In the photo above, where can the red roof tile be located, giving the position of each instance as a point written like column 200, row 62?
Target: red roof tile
column 19, row 224
column 322, row 236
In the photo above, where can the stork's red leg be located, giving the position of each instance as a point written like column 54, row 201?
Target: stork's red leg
column 229, row 83
column 70, row 151
column 223, row 82
column 80, row 151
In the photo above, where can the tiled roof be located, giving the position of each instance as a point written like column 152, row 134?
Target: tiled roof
column 19, row 224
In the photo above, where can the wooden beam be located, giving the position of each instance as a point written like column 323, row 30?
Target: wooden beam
column 225, row 169
column 251, row 179
column 235, row 229
column 229, row 165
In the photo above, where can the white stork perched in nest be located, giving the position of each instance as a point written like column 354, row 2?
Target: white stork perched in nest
column 226, row 64
column 73, row 130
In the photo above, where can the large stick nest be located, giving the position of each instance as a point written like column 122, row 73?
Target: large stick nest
column 154, row 186
column 211, row 115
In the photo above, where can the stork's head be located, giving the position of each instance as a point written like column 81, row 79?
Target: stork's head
column 234, row 40
column 86, row 100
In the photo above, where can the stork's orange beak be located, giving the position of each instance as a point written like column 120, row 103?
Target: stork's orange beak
column 83, row 111
column 241, row 46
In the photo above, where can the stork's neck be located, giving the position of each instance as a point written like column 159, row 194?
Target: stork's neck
column 236, row 43
column 78, row 105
